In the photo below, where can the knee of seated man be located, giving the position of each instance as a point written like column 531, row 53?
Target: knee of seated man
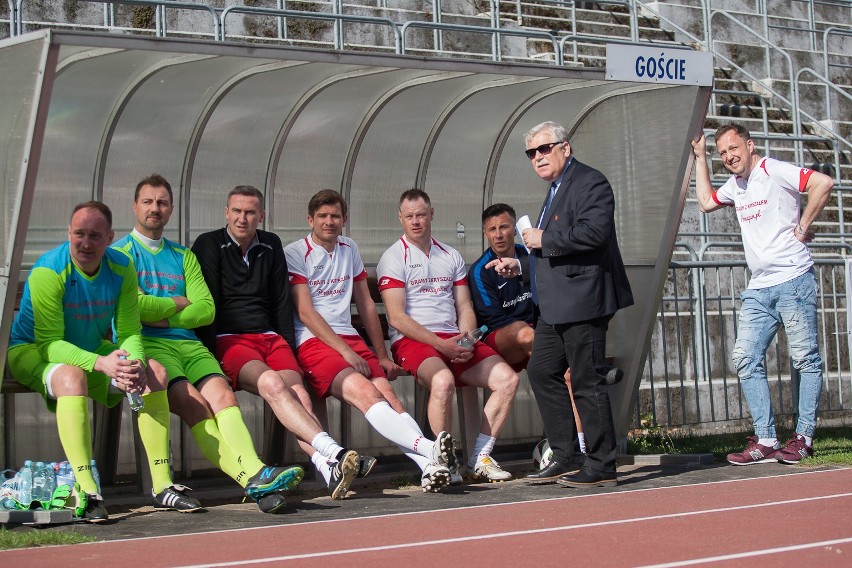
column 69, row 380
column 443, row 384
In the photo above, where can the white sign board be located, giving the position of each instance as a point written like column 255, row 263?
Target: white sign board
column 659, row 65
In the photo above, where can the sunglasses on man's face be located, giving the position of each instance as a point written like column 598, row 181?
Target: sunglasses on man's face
column 544, row 149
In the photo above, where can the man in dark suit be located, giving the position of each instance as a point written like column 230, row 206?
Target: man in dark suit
column 578, row 283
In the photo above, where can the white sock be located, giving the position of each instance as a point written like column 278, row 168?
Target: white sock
column 421, row 461
column 321, row 463
column 809, row 441
column 482, row 448
column 411, row 422
column 325, row 445
column 392, row 426
column 769, row 442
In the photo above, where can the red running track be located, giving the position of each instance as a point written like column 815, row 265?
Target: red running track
column 794, row 519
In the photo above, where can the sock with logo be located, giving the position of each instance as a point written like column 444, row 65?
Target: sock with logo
column 153, row 421
column 236, row 434
column 216, row 450
column 75, row 435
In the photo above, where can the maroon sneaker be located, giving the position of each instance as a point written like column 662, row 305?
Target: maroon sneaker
column 754, row 453
column 794, row 450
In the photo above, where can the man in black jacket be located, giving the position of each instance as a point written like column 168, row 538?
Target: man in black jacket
column 253, row 333
column 578, row 282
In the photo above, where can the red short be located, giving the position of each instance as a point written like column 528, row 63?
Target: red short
column 491, row 341
column 234, row 351
column 410, row 354
column 321, row 363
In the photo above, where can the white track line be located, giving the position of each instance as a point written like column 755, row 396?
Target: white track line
column 751, row 554
column 506, row 534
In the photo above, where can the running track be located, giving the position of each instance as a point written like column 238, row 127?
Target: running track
column 802, row 519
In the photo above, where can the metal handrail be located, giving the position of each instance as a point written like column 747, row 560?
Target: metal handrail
column 13, row 18
column 828, row 85
column 338, row 39
column 597, row 39
column 833, row 30
column 156, row 4
column 495, row 54
column 797, row 127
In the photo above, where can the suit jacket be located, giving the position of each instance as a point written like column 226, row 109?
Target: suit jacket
column 579, row 271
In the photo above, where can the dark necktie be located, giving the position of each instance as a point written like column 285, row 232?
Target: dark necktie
column 553, row 187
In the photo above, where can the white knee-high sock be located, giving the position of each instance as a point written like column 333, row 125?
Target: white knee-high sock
column 392, row 426
column 409, row 419
column 421, row 461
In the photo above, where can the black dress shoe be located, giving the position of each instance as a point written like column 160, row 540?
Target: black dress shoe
column 554, row 469
column 588, row 478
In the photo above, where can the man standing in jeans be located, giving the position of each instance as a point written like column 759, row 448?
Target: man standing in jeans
column 783, row 287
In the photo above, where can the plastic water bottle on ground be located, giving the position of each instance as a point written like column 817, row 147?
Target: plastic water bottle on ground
column 25, row 484
column 96, row 475
column 65, row 474
column 39, row 490
column 473, row 337
column 8, row 492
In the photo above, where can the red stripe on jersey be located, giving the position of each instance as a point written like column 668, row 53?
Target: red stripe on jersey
column 310, row 248
column 437, row 244
column 386, row 282
column 804, row 175
column 763, row 165
column 716, row 199
column 361, row 276
column 404, row 250
column 297, row 279
column 462, row 282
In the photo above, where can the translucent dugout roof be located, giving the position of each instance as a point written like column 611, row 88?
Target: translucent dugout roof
column 86, row 115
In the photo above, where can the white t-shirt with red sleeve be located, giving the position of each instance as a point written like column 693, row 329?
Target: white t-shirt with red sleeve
column 330, row 280
column 428, row 281
column 767, row 206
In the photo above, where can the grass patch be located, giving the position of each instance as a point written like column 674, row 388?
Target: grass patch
column 831, row 445
column 40, row 537
column 405, row 481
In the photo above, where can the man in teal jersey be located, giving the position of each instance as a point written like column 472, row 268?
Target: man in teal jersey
column 173, row 300
column 73, row 296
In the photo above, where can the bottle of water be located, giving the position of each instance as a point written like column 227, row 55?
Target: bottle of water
column 65, row 475
column 25, row 484
column 473, row 337
column 39, row 491
column 96, row 475
column 8, row 493
column 134, row 398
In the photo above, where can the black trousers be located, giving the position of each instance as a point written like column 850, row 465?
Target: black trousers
column 580, row 346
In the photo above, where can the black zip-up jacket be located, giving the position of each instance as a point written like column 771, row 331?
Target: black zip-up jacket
column 250, row 298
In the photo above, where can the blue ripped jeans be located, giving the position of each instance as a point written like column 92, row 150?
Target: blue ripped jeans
column 793, row 304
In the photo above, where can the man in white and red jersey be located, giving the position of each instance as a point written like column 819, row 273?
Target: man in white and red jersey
column 423, row 283
column 783, row 287
column 326, row 274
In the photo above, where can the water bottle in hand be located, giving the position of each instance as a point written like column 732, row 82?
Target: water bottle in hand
column 134, row 398
column 473, row 337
